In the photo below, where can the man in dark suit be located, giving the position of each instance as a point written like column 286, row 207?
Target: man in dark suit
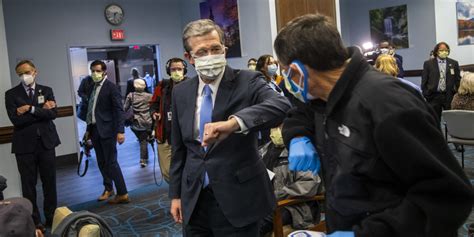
column 105, row 126
column 31, row 108
column 440, row 78
column 219, row 185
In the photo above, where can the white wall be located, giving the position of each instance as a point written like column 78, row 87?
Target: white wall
column 44, row 30
column 255, row 27
column 447, row 31
column 8, row 167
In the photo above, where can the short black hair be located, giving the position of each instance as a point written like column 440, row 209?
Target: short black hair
column 99, row 62
column 436, row 48
column 262, row 61
column 251, row 59
column 314, row 40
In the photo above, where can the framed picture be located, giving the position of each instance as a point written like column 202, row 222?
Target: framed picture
column 465, row 14
column 225, row 13
column 390, row 24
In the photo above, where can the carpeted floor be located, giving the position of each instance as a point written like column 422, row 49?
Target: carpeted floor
column 147, row 214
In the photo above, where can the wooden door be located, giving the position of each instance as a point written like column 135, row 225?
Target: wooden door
column 286, row 10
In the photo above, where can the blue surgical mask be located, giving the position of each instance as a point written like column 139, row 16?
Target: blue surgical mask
column 298, row 90
column 272, row 69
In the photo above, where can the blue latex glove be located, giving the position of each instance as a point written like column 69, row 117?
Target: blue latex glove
column 341, row 234
column 302, row 155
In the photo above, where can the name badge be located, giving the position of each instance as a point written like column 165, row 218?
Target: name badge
column 40, row 99
column 452, row 71
column 169, row 116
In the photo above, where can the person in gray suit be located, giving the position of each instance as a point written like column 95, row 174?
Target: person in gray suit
column 218, row 183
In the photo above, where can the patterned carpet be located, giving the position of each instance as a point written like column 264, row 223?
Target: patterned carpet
column 147, row 214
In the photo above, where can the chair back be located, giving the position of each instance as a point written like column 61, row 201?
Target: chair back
column 460, row 123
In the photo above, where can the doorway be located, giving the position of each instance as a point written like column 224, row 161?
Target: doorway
column 119, row 60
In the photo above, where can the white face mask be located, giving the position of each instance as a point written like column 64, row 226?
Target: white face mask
column 27, row 79
column 211, row 66
column 384, row 51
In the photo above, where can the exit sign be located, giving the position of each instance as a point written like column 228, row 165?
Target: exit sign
column 117, row 34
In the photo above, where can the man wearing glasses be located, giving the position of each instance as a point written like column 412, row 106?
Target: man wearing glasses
column 219, row 185
column 385, row 164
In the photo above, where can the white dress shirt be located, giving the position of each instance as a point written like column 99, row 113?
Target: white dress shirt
column 97, row 91
column 214, row 85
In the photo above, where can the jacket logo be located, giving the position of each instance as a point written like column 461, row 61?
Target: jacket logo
column 344, row 130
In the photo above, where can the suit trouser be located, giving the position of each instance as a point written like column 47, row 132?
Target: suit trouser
column 164, row 157
column 209, row 220
column 106, row 153
column 42, row 160
column 439, row 102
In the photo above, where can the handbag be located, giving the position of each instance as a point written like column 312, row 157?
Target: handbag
column 129, row 114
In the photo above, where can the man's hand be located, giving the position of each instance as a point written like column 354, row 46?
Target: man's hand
column 49, row 105
column 302, row 155
column 120, row 138
column 156, row 116
column 22, row 109
column 38, row 233
column 218, row 131
column 176, row 210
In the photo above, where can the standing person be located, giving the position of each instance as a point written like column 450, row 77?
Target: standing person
column 139, row 102
column 160, row 107
column 386, row 48
column 31, row 108
column 384, row 158
column 440, row 78
column 105, row 125
column 219, row 185
column 135, row 75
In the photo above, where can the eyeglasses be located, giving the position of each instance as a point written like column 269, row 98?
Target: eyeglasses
column 217, row 49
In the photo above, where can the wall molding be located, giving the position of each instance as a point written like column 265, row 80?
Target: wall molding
column 6, row 133
column 417, row 73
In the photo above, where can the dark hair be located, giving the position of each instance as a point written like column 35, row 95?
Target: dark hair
column 135, row 73
column 251, row 59
column 99, row 62
column 176, row 60
column 25, row 61
column 436, row 48
column 314, row 40
column 262, row 61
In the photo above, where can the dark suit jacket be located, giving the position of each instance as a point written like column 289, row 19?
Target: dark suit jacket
column 430, row 78
column 109, row 115
column 236, row 172
column 27, row 127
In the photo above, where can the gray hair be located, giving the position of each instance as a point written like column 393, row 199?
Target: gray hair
column 200, row 28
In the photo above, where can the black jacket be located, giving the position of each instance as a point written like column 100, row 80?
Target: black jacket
column 430, row 78
column 387, row 168
column 28, row 127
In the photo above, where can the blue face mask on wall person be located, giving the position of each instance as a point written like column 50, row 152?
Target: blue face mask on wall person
column 300, row 89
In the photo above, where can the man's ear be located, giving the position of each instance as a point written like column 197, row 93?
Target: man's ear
column 189, row 58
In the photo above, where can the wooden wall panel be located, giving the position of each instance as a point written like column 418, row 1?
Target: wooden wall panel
column 286, row 10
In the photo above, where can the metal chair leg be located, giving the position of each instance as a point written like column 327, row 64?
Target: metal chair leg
column 462, row 155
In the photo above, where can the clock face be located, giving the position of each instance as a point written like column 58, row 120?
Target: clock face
column 114, row 14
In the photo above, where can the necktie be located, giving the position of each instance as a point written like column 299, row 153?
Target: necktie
column 442, row 76
column 30, row 93
column 205, row 116
column 90, row 105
